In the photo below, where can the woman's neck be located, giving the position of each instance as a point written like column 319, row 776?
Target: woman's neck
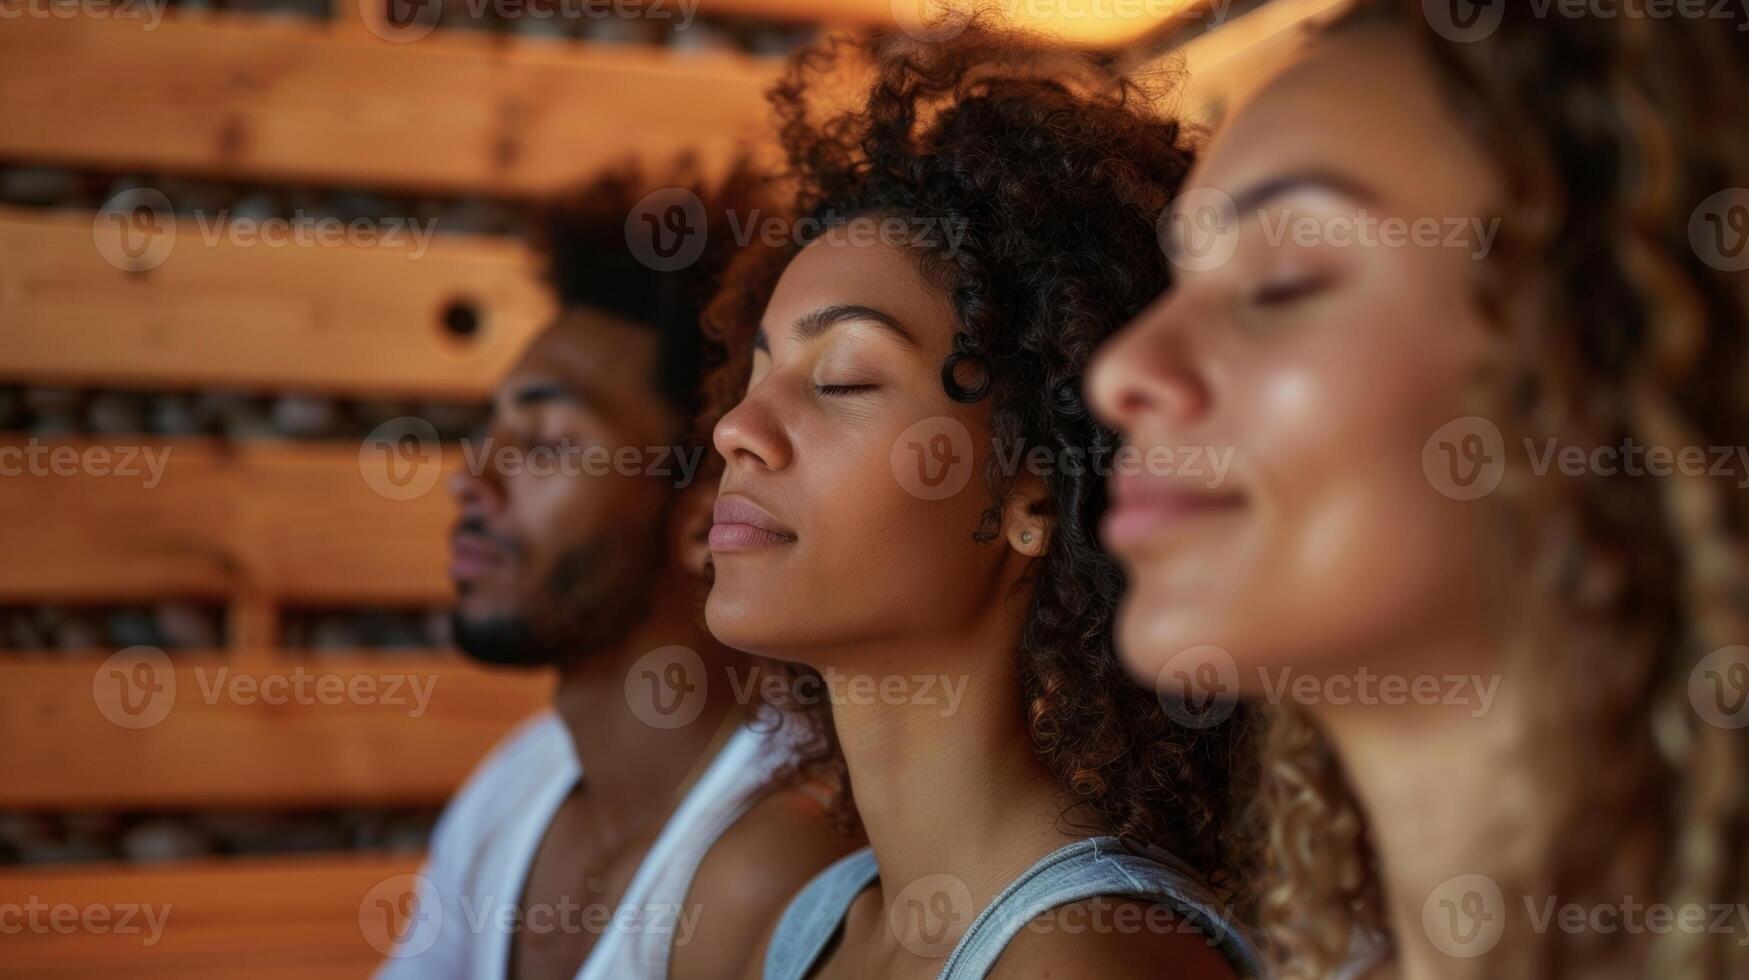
column 942, row 765
column 1457, row 818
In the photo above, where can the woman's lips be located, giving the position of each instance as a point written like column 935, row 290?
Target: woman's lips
column 1142, row 510
column 738, row 524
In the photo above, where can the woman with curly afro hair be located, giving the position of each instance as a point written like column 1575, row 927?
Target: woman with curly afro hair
column 1484, row 547
column 908, row 513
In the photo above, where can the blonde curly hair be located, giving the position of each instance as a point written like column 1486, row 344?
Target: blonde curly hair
column 1608, row 134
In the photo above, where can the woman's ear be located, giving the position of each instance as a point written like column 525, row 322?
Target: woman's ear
column 689, row 531
column 1027, row 521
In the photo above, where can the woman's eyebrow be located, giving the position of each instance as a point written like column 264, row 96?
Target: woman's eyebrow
column 1251, row 200
column 1262, row 193
column 817, row 322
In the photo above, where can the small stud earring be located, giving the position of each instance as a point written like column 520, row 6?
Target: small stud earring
column 1026, row 537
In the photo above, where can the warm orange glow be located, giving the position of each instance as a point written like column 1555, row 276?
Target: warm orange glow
column 1094, row 23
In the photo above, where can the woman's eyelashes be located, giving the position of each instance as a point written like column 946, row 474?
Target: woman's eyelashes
column 1289, row 290
column 840, row 391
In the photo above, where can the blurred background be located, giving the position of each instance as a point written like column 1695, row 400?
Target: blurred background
column 261, row 262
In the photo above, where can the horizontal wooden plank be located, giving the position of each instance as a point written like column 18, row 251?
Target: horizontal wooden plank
column 234, row 97
column 216, row 311
column 89, row 520
column 199, row 730
column 260, row 917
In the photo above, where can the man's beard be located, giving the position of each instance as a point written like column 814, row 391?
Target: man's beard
column 592, row 597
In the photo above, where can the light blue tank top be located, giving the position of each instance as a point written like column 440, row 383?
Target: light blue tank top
column 1090, row 868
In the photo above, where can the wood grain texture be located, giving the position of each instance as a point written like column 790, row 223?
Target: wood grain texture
column 345, row 319
column 368, row 729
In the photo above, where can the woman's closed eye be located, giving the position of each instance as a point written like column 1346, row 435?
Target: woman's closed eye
column 1282, row 292
column 839, row 391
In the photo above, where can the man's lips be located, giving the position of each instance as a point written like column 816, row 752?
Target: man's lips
column 738, row 524
column 1143, row 508
column 472, row 554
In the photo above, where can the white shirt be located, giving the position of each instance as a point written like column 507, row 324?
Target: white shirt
column 486, row 840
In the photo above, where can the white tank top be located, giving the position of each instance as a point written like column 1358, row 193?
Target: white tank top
column 487, row 839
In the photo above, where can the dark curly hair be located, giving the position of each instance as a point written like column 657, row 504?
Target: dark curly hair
column 1054, row 169
column 1608, row 135
column 590, row 264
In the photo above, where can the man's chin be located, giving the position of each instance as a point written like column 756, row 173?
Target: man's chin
column 503, row 641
